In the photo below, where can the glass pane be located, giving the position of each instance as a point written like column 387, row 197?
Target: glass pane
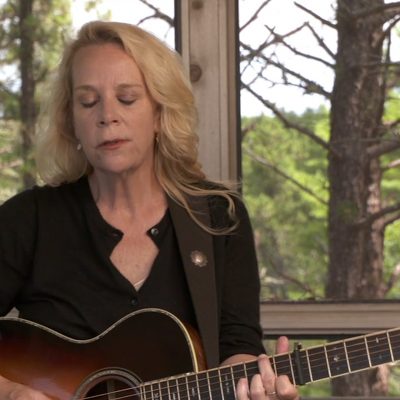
column 284, row 173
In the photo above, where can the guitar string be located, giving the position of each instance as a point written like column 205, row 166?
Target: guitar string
column 353, row 357
column 184, row 394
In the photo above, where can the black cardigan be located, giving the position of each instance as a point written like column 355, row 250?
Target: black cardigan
column 44, row 231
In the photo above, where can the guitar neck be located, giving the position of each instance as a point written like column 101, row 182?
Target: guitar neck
column 340, row 357
column 302, row 366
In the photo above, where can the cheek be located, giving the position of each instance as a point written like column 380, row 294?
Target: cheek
column 80, row 121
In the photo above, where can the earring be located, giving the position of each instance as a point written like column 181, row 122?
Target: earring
column 79, row 147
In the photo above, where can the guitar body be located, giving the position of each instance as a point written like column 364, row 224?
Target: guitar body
column 144, row 346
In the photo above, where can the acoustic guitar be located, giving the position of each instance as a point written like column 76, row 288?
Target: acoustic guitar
column 151, row 355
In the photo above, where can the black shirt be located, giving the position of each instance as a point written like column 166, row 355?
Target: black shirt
column 63, row 276
column 55, row 268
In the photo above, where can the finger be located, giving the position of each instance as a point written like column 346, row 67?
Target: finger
column 267, row 374
column 257, row 389
column 242, row 389
column 285, row 389
column 282, row 345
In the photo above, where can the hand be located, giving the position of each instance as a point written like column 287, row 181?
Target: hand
column 15, row 391
column 265, row 385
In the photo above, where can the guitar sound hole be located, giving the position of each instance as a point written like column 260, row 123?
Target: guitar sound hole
column 109, row 384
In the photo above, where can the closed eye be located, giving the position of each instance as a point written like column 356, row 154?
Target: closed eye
column 128, row 102
column 89, row 104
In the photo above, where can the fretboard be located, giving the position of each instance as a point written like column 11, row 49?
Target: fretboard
column 302, row 366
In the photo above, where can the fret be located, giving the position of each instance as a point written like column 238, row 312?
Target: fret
column 233, row 380
column 366, row 345
column 227, row 384
column 326, row 357
column 308, row 365
column 215, row 385
column 182, row 388
column 163, row 390
column 347, row 356
column 378, row 349
column 291, row 375
column 283, row 365
column 151, row 392
column 238, row 371
column 318, row 363
column 250, row 369
column 145, row 392
column 390, row 346
column 193, row 387
column 395, row 343
column 203, row 383
column 337, row 359
column 357, row 354
column 173, row 389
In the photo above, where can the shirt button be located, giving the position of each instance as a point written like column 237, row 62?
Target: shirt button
column 154, row 231
column 134, row 301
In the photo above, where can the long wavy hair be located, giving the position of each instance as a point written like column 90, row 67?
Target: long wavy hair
column 176, row 150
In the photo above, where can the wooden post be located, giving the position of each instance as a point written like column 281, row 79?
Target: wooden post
column 207, row 40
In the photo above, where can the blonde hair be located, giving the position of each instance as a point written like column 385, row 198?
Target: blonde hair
column 176, row 151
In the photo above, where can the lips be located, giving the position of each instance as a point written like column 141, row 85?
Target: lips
column 112, row 144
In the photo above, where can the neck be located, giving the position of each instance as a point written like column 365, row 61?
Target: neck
column 127, row 193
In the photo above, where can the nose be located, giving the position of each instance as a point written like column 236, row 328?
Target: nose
column 107, row 114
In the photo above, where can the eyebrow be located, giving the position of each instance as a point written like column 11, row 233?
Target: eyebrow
column 120, row 86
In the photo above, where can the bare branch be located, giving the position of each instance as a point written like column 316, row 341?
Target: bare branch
column 297, row 52
column 308, row 56
column 391, row 219
column 264, row 162
column 316, row 16
column 390, row 9
column 381, row 213
column 254, row 16
column 308, row 84
column 383, row 148
column 157, row 14
column 249, row 128
column 394, row 277
column 392, row 165
column 387, row 31
column 389, row 126
column 253, row 53
column 321, row 42
column 286, row 122
column 306, row 288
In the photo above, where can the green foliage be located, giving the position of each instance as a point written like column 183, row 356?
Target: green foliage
column 391, row 195
column 49, row 24
column 286, row 191
column 10, row 163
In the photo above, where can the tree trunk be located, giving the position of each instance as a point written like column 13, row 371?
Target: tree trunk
column 355, row 243
column 27, row 100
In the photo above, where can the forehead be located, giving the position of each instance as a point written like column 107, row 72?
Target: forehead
column 103, row 62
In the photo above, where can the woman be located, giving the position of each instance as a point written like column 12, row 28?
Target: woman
column 127, row 219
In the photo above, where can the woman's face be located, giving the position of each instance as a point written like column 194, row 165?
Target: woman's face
column 114, row 117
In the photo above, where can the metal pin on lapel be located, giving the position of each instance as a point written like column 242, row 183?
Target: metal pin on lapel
column 199, row 259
